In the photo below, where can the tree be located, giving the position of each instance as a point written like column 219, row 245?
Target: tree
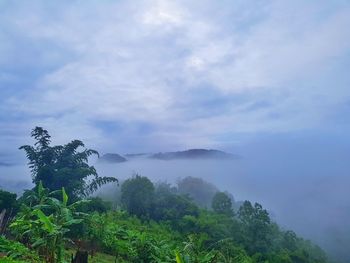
column 7, row 200
column 95, row 204
column 168, row 205
column 137, row 196
column 222, row 204
column 8, row 207
column 200, row 191
column 257, row 227
column 63, row 165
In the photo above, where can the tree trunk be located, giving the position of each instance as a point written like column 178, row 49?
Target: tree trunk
column 81, row 257
column 2, row 221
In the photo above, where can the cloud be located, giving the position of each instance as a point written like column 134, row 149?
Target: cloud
column 257, row 64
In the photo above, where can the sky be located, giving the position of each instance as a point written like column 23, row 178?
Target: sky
column 141, row 76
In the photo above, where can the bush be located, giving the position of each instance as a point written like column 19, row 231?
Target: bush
column 16, row 252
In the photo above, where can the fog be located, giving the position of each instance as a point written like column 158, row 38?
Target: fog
column 304, row 185
column 316, row 207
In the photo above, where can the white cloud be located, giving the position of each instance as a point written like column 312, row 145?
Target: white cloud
column 163, row 13
column 137, row 62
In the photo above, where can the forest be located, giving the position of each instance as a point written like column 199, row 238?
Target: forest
column 62, row 219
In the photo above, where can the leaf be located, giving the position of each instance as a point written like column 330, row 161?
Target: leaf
column 178, row 257
column 40, row 189
column 73, row 222
column 41, row 206
column 98, row 182
column 55, row 192
column 53, row 201
column 64, row 197
column 39, row 242
column 45, row 220
column 79, row 203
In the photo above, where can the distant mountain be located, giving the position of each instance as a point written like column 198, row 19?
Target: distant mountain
column 194, row 154
column 112, row 158
column 135, row 155
column 191, row 154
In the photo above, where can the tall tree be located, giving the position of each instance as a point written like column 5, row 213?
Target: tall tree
column 199, row 190
column 257, row 227
column 137, row 196
column 222, row 204
column 63, row 165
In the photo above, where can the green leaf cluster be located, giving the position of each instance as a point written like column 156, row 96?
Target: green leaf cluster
column 63, row 165
column 44, row 224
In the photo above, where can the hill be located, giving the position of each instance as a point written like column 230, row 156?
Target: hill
column 112, row 158
column 195, row 154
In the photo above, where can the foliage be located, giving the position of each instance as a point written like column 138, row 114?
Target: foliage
column 256, row 226
column 205, row 236
column 130, row 239
column 170, row 206
column 10, row 260
column 97, row 258
column 229, row 252
column 199, row 190
column 8, row 200
column 8, row 208
column 195, row 250
column 94, row 204
column 45, row 223
column 137, row 195
column 222, row 204
column 208, row 237
column 16, row 252
column 63, row 165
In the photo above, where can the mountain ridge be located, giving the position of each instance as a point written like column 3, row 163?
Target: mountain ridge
column 190, row 154
column 194, row 154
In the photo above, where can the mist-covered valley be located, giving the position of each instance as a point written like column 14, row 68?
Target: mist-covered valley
column 311, row 201
column 304, row 190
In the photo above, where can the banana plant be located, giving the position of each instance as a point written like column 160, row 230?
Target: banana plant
column 194, row 252
column 45, row 224
column 178, row 257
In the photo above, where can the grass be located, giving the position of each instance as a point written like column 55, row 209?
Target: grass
column 98, row 257
column 102, row 258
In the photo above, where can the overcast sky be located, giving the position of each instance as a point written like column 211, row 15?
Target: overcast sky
column 135, row 76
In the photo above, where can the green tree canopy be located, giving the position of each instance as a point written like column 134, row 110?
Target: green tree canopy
column 199, row 190
column 168, row 205
column 63, row 165
column 222, row 204
column 137, row 196
column 7, row 200
column 257, row 227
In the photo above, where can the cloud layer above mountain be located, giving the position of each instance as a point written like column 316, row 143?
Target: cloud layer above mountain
column 155, row 75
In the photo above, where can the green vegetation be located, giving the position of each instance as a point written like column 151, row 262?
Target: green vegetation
column 156, row 222
column 137, row 196
column 63, row 166
column 222, row 204
column 8, row 207
column 44, row 224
